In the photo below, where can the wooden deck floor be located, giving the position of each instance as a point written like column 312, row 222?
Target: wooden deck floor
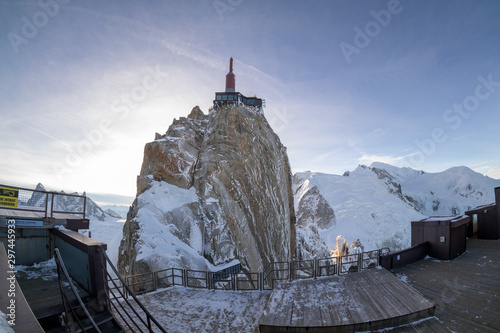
column 364, row 301
column 466, row 290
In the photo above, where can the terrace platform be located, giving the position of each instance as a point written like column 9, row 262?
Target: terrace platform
column 369, row 300
column 466, row 290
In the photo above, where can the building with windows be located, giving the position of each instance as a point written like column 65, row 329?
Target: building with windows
column 231, row 97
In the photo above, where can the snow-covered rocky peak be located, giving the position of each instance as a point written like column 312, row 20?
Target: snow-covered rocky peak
column 67, row 203
column 212, row 189
column 376, row 203
column 449, row 192
column 172, row 157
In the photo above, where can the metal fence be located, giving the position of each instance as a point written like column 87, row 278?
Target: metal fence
column 253, row 281
column 49, row 203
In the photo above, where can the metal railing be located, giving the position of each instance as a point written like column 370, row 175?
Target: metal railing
column 49, row 203
column 170, row 277
column 252, row 281
column 70, row 315
column 197, row 279
column 326, row 266
column 302, row 269
column 275, row 271
column 349, row 263
column 248, row 281
column 135, row 316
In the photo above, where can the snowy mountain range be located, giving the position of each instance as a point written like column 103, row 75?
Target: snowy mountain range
column 377, row 203
column 71, row 204
column 374, row 203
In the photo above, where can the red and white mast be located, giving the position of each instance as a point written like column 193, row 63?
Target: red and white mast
column 230, row 78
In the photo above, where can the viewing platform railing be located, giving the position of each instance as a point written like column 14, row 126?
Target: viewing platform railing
column 46, row 202
column 251, row 281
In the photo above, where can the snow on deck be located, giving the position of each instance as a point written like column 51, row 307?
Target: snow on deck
column 180, row 309
column 372, row 299
column 466, row 290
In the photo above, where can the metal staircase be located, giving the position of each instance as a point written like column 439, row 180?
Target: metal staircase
column 121, row 313
column 76, row 317
column 131, row 312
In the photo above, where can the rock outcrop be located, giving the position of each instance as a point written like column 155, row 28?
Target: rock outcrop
column 214, row 188
column 314, row 214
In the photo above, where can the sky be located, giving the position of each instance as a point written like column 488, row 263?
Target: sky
column 84, row 85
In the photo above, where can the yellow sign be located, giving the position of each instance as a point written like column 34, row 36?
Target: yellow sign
column 8, row 197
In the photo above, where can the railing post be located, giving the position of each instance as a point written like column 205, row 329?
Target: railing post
column 104, row 270
column 52, row 206
column 84, row 205
column 46, row 204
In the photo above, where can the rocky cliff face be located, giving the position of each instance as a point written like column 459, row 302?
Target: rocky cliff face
column 214, row 188
column 314, row 214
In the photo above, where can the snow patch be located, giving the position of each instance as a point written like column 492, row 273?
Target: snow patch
column 4, row 324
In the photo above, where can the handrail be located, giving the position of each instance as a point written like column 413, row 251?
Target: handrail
column 274, row 271
column 61, row 266
column 47, row 206
column 149, row 316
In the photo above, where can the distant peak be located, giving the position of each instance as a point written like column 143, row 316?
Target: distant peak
column 461, row 169
column 40, row 187
column 196, row 114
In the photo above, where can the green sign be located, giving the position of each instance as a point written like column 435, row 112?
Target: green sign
column 8, row 197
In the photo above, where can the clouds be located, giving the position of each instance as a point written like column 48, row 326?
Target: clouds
column 86, row 67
